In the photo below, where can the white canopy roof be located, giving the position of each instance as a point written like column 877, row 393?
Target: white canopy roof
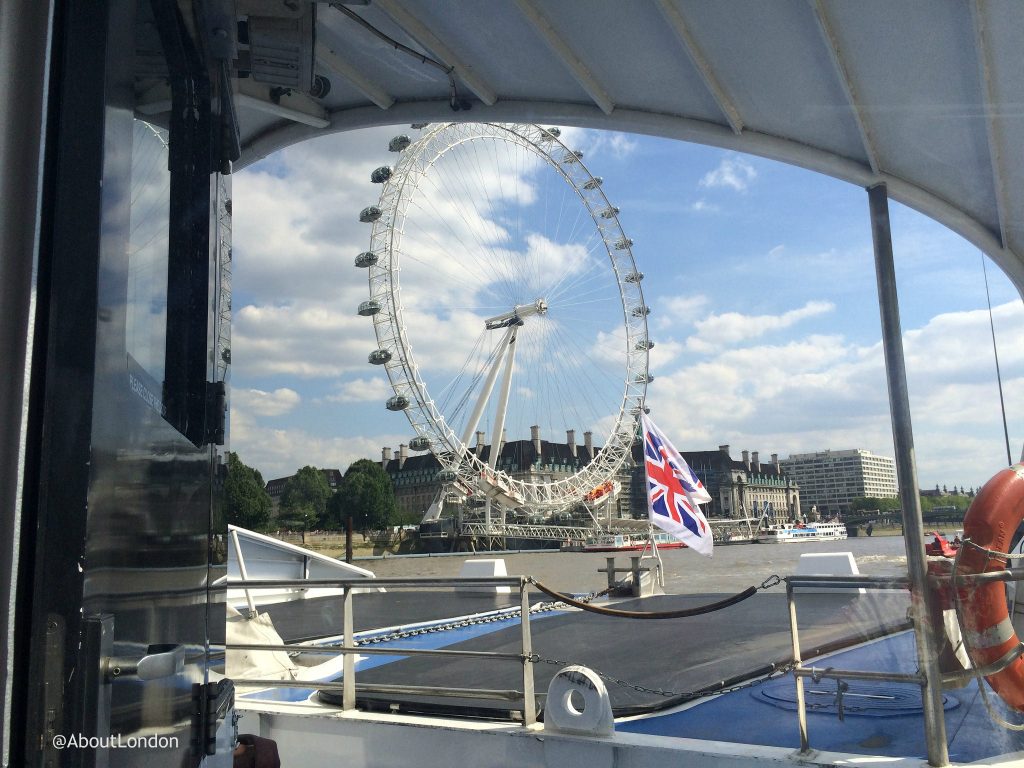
column 924, row 95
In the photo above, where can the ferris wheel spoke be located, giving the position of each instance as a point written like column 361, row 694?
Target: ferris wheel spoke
column 508, row 262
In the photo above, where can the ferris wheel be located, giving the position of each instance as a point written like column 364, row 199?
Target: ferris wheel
column 506, row 306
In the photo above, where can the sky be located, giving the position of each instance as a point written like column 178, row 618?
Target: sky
column 759, row 277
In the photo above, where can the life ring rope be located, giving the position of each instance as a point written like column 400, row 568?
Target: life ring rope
column 991, row 637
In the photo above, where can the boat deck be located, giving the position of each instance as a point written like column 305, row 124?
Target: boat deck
column 659, row 661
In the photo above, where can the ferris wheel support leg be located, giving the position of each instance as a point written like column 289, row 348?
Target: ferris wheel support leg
column 506, row 387
column 499, row 416
column 485, row 393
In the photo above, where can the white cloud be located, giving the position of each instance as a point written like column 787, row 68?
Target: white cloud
column 281, row 452
column 733, row 172
column 731, row 328
column 674, row 311
column 276, row 403
column 376, row 389
column 306, row 341
column 821, row 391
column 703, row 206
column 594, row 143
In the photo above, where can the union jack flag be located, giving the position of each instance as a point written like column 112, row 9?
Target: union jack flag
column 674, row 492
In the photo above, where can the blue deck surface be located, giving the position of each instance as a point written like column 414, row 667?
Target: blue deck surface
column 877, row 720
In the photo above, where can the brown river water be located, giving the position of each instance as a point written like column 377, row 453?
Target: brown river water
column 732, row 568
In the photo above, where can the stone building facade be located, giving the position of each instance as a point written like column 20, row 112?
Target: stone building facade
column 744, row 488
column 415, row 476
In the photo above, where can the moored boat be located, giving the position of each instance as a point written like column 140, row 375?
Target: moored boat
column 630, row 542
column 798, row 532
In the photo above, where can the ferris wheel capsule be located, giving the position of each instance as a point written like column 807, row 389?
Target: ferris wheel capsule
column 447, row 476
column 610, row 212
column 634, row 277
column 419, row 443
column 397, row 403
column 370, row 214
column 641, row 311
column 643, row 344
column 379, row 357
column 399, row 143
column 366, row 259
column 623, row 243
column 369, row 308
column 643, row 378
column 380, row 175
column 593, row 183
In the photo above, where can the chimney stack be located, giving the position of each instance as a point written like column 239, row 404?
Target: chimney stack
column 397, row 455
column 504, row 439
column 723, row 449
column 755, row 461
column 570, row 439
column 588, row 443
column 403, row 454
column 479, row 442
column 746, row 460
column 775, row 463
column 385, row 457
column 535, row 436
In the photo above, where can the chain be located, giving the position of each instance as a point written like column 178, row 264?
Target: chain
column 777, row 671
column 506, row 615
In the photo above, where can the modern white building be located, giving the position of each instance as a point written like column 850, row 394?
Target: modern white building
column 830, row 480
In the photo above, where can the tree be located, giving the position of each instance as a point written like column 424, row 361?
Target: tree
column 246, row 502
column 365, row 497
column 304, row 499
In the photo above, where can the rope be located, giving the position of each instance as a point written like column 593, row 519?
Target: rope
column 619, row 613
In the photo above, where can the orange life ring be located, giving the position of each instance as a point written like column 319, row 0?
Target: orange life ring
column 990, row 523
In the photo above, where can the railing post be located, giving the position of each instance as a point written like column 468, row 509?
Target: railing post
column 529, row 698
column 801, row 705
column 348, row 691
column 906, row 473
column 243, row 572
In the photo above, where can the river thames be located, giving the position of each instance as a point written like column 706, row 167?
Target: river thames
column 732, row 568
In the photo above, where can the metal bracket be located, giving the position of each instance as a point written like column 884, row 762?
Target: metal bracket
column 160, row 661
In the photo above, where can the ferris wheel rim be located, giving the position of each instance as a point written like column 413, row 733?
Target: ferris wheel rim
column 411, row 392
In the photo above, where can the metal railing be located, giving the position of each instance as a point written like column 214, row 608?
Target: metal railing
column 880, row 582
column 349, row 649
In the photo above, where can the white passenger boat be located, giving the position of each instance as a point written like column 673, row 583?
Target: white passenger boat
column 794, row 533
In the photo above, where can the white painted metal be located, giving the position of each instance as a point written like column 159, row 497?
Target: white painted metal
column 335, row 63
column 981, row 23
column 567, row 55
column 845, row 81
column 678, row 25
column 419, row 31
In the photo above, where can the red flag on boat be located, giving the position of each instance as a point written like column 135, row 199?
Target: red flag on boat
column 674, row 492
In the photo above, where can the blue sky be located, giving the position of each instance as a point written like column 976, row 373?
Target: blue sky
column 760, row 279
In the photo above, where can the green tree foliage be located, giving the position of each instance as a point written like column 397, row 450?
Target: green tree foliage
column 246, row 502
column 367, row 495
column 871, row 503
column 304, row 499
